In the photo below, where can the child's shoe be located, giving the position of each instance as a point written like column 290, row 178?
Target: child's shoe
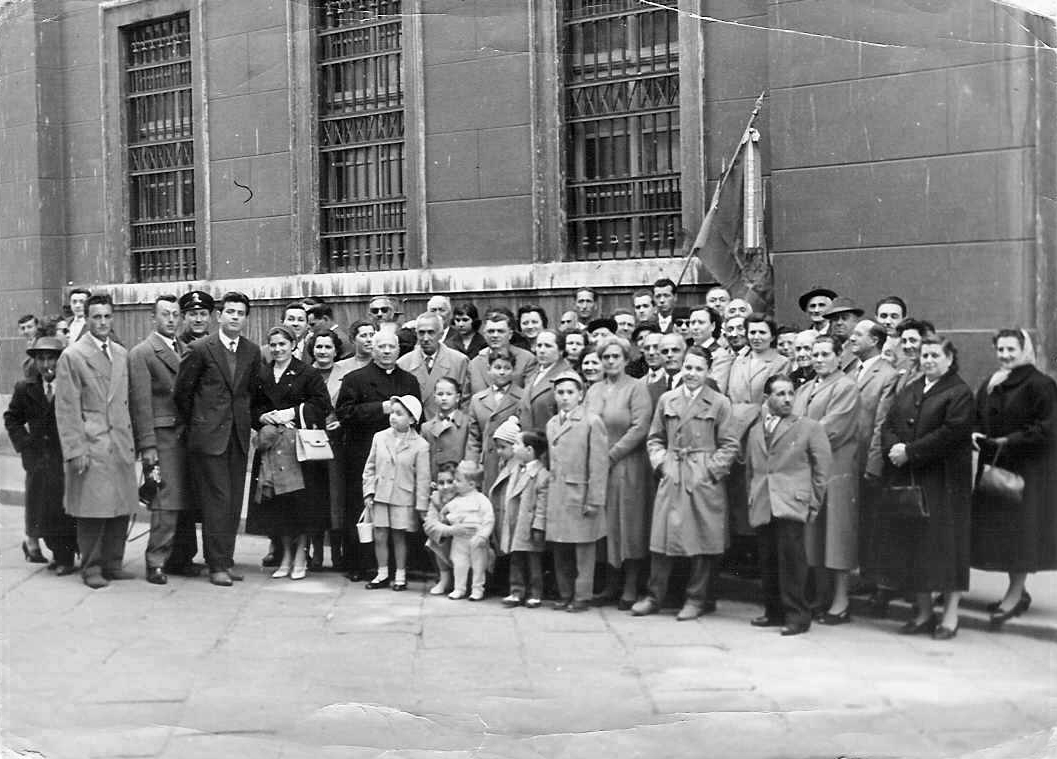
column 443, row 585
column 512, row 600
column 533, row 603
column 457, row 595
column 477, row 595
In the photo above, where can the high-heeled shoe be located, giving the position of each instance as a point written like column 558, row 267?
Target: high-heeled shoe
column 999, row 617
column 835, row 619
column 299, row 572
column 33, row 557
column 913, row 627
column 942, row 632
column 281, row 572
column 1025, row 598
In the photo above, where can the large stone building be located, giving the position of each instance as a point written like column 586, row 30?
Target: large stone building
column 521, row 148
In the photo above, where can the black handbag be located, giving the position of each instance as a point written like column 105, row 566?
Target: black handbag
column 904, row 501
column 1000, row 483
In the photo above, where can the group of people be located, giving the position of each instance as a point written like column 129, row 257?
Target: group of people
column 620, row 449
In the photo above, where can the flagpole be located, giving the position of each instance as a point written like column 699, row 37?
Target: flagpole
column 745, row 135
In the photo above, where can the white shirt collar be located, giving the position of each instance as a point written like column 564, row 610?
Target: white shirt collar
column 868, row 363
column 229, row 342
column 99, row 343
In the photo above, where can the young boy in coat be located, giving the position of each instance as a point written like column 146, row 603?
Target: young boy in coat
column 525, row 520
column 787, row 464
column 448, row 431
column 488, row 409
column 576, row 492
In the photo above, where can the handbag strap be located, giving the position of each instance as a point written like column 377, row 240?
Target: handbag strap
column 301, row 414
column 998, row 451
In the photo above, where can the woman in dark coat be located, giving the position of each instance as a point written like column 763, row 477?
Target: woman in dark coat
column 1016, row 418
column 464, row 335
column 926, row 441
column 290, row 499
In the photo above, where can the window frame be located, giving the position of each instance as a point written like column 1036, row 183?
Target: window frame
column 115, row 17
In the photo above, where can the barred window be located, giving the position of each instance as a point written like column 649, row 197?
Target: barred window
column 363, row 204
column 161, row 177
column 621, row 66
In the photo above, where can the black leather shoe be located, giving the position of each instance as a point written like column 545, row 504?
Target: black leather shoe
column 157, row 576
column 398, row 586
column 836, row 619
column 374, row 585
column 354, row 576
column 1025, row 598
column 917, row 628
column 795, row 629
column 624, row 604
column 271, row 559
column 944, row 633
column 765, row 621
column 999, row 617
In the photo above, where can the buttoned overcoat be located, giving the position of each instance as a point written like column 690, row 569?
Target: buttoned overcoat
column 579, row 468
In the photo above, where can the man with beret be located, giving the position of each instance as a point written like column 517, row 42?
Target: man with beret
column 152, row 368
column 842, row 316
column 196, row 307
column 31, row 426
column 91, row 411
column 814, row 303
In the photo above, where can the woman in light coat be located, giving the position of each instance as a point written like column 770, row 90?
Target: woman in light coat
column 692, row 445
column 624, row 405
column 832, row 541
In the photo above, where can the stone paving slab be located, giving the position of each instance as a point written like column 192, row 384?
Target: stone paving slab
column 324, row 668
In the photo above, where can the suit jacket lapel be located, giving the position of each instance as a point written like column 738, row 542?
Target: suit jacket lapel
column 784, row 426
column 165, row 353
column 575, row 414
column 217, row 349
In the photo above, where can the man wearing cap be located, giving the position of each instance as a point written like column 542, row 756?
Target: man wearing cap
column 431, row 359
column 31, row 426
column 363, row 409
column 814, row 303
column 214, row 387
column 842, row 316
column 196, row 307
column 91, row 410
column 152, row 368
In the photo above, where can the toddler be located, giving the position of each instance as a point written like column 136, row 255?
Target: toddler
column 469, row 518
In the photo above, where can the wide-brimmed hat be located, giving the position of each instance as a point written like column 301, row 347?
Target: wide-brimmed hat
column 196, row 299
column 842, row 305
column 411, row 403
column 45, row 345
column 825, row 291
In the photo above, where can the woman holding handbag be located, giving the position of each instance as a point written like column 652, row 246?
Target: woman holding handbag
column 290, row 497
column 1016, row 427
column 926, row 443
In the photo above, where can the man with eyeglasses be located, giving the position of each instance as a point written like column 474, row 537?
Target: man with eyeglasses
column 383, row 310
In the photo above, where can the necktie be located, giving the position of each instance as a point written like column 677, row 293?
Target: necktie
column 232, row 346
column 429, row 364
column 772, row 422
column 104, row 347
column 669, row 380
column 49, row 393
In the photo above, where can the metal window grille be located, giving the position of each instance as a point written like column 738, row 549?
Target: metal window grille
column 361, row 136
column 621, row 63
column 161, row 178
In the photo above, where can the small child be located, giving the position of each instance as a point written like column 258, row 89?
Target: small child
column 395, row 486
column 576, row 494
column 470, row 519
column 525, row 520
column 488, row 409
column 503, row 440
column 446, row 433
column 438, row 541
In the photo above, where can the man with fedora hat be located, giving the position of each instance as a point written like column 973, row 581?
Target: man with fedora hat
column 196, row 307
column 814, row 303
column 842, row 316
column 30, row 423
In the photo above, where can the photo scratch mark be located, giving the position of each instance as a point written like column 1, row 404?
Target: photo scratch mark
column 244, row 187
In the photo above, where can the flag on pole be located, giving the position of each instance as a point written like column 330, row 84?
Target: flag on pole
column 730, row 244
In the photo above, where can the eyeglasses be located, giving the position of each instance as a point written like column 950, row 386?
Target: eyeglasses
column 670, row 350
column 683, row 322
column 382, row 310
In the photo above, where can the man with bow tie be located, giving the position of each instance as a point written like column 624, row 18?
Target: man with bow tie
column 91, row 409
column 787, row 462
column 153, row 365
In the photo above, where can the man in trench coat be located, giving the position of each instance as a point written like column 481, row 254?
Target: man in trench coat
column 91, row 410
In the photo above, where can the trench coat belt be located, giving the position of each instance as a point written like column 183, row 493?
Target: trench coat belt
column 689, row 468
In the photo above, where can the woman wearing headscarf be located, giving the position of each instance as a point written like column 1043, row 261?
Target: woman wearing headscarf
column 1016, row 429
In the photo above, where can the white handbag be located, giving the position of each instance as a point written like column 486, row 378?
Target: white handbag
column 312, row 445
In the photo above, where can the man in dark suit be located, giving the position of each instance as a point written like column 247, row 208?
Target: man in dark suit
column 787, row 462
column 213, row 391
column 363, row 409
column 152, row 368
column 498, row 331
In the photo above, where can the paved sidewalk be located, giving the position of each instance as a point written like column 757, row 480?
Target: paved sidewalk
column 323, row 668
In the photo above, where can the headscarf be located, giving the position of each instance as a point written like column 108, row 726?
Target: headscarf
column 1002, row 375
